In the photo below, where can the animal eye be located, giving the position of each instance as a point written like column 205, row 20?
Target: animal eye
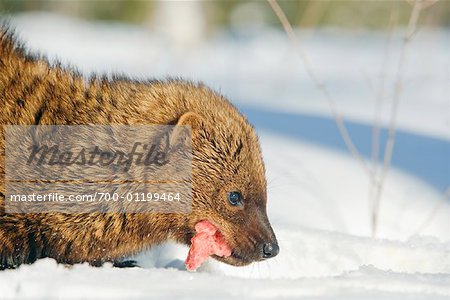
column 235, row 198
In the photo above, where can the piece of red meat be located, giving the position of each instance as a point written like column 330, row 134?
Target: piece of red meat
column 207, row 241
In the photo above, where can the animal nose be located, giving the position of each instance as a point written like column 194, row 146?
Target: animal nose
column 270, row 250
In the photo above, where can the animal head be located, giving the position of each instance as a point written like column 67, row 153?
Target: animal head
column 229, row 184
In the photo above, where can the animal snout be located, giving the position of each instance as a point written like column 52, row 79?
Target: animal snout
column 270, row 249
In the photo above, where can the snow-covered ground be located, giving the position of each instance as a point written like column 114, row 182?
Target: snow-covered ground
column 317, row 195
column 313, row 265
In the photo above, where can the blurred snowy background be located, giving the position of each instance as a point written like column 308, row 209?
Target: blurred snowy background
column 322, row 203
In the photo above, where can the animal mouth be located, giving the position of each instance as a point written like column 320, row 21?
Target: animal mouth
column 241, row 259
column 235, row 259
column 238, row 256
column 208, row 240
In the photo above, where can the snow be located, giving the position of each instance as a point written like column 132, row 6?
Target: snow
column 256, row 67
column 318, row 195
column 314, row 264
column 327, row 190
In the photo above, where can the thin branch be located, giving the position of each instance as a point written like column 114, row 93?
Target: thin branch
column 411, row 28
column 319, row 84
column 381, row 90
column 376, row 129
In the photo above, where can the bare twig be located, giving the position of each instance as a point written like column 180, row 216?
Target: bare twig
column 381, row 90
column 379, row 97
column 411, row 28
column 319, row 84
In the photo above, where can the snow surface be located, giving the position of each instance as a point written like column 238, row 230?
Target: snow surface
column 313, row 265
column 317, row 196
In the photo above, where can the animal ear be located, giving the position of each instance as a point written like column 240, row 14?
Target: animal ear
column 191, row 119
column 181, row 135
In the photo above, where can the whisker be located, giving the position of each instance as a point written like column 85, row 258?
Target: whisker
column 251, row 271
column 270, row 270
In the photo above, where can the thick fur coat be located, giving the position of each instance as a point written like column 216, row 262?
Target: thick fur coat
column 226, row 157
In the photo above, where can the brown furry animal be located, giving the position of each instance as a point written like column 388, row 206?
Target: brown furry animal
column 226, row 158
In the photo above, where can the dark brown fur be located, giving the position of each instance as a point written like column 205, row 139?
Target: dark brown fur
column 226, row 157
